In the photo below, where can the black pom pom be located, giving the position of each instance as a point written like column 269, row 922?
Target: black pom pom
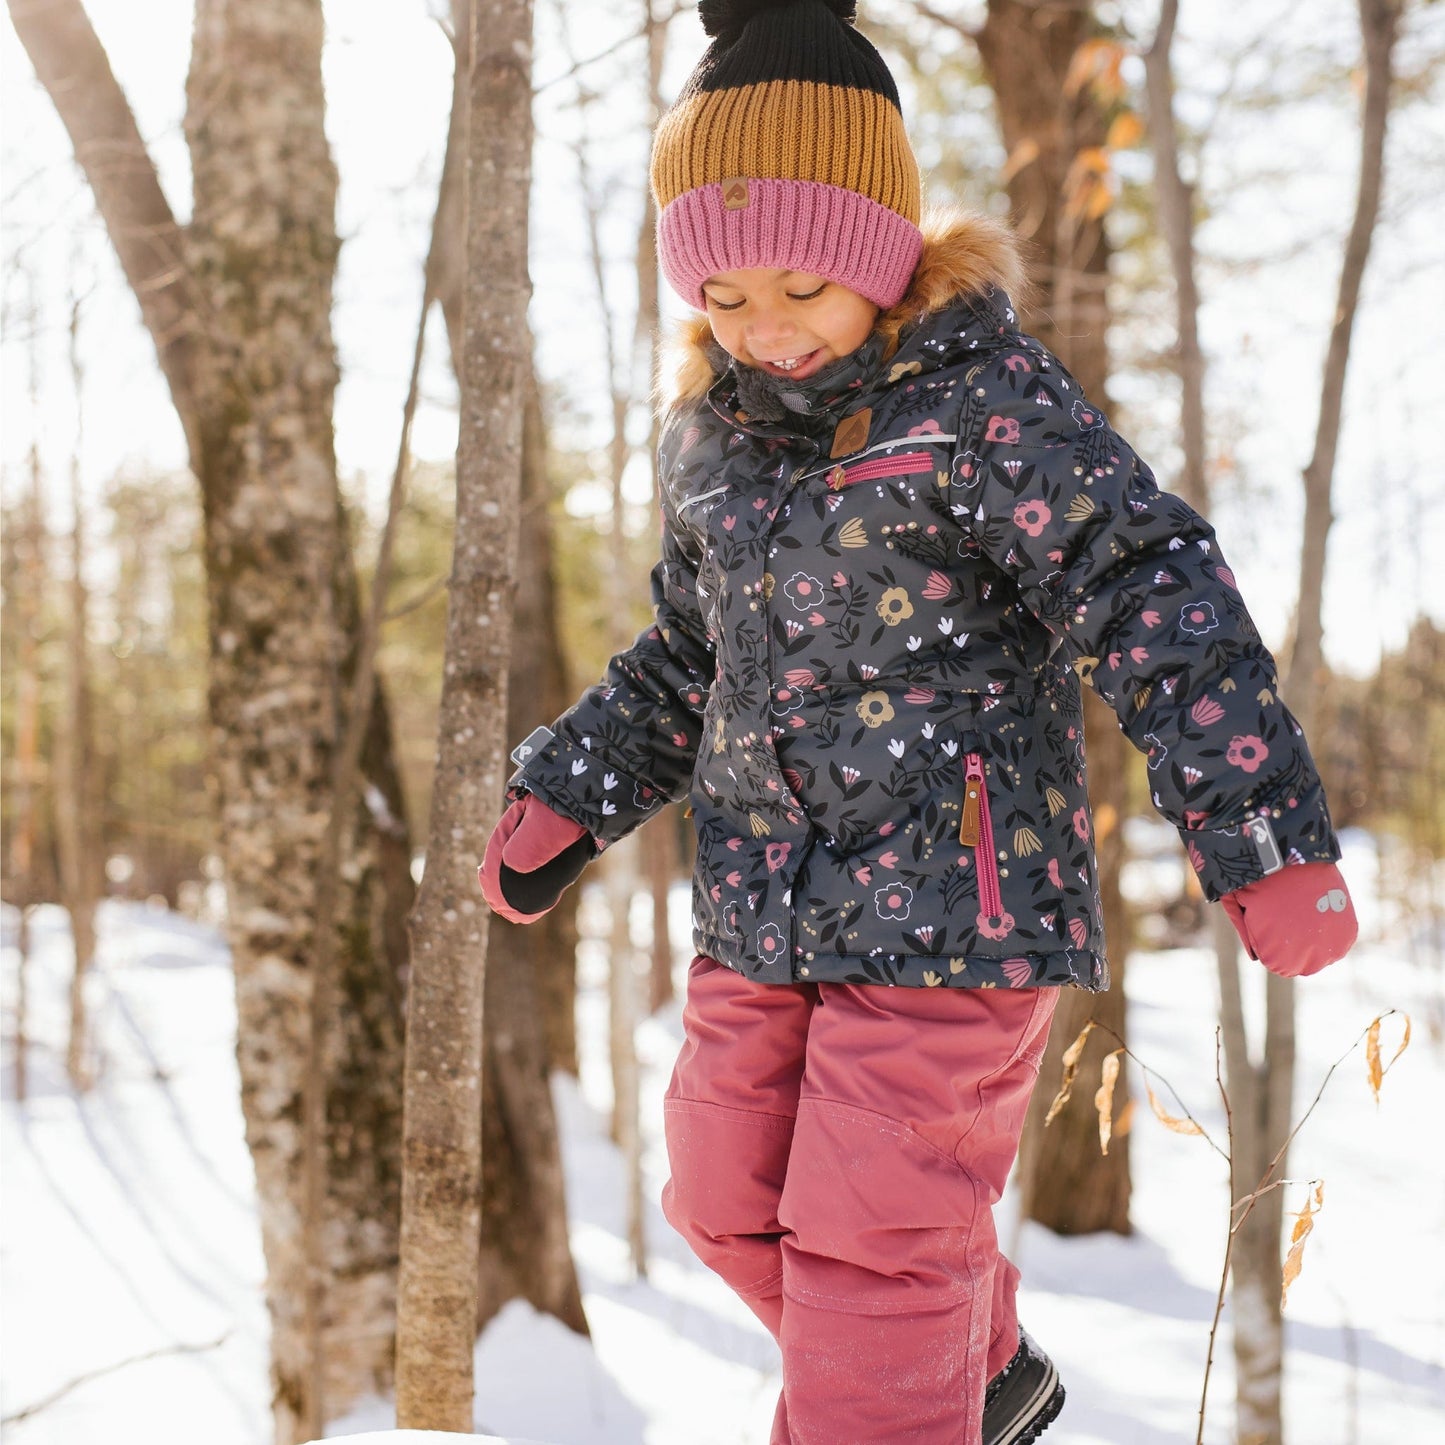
column 724, row 19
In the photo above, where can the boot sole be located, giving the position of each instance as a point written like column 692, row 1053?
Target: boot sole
column 1041, row 1411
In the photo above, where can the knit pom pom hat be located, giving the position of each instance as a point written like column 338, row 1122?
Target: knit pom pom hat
column 786, row 149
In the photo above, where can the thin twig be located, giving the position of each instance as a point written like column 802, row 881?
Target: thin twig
column 85, row 1379
column 1228, row 1235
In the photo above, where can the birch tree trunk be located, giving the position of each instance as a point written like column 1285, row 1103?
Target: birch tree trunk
column 238, row 305
column 441, row 1192
column 1027, row 50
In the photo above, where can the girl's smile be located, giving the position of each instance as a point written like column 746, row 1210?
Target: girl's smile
column 786, row 323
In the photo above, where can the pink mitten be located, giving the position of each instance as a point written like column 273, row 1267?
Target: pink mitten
column 1297, row 920
column 531, row 857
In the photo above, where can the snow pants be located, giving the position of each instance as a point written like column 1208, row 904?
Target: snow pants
column 836, row 1152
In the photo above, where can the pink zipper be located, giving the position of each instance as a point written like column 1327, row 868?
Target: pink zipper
column 907, row 464
column 976, row 831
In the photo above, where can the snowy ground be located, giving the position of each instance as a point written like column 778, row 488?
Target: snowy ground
column 130, row 1253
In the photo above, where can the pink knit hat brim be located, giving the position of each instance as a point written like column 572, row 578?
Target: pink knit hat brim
column 795, row 225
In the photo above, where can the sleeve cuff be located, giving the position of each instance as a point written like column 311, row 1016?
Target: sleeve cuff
column 1286, row 830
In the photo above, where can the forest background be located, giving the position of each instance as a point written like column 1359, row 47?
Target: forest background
column 1267, row 118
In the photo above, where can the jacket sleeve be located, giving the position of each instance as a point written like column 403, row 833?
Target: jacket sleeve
column 1131, row 581
column 629, row 745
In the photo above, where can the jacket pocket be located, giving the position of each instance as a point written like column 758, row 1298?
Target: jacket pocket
column 975, row 830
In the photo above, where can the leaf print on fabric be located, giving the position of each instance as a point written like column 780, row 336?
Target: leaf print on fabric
column 1246, row 752
column 874, row 709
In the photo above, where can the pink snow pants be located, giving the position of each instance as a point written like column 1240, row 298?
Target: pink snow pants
column 836, row 1153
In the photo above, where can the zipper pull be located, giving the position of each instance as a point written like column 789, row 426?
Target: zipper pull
column 970, row 826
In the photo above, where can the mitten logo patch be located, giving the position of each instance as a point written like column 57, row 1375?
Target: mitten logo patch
column 1332, row 902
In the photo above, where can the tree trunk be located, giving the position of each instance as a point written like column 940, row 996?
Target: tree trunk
column 1268, row 1095
column 76, row 800
column 1027, row 50
column 531, row 980
column 441, row 1193
column 238, row 306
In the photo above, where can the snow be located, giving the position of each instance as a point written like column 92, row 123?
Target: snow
column 132, row 1268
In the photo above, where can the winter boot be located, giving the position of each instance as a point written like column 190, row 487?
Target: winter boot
column 1024, row 1397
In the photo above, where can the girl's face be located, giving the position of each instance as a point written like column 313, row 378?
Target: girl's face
column 787, row 323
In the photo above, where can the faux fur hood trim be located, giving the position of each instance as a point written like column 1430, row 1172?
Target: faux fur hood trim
column 964, row 253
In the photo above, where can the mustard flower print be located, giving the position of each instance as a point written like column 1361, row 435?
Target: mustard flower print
column 894, row 606
column 874, row 709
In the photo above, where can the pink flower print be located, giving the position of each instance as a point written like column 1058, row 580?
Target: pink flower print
column 689, row 438
column 1196, row 817
column 734, row 879
column 1196, row 857
column 1003, row 429
column 776, row 855
column 1157, row 750
column 1017, row 363
column 864, row 876
column 1054, row 877
column 920, row 696
column 924, row 935
column 888, row 859
column 715, row 892
column 1206, row 712
column 1079, row 932
column 884, row 829
column 803, row 591
column 679, row 740
column 840, row 579
column 734, row 844
column 770, row 942
column 1088, row 417
column 965, row 470
column 785, row 700
column 1081, row 824
column 1247, row 752
column 793, row 628
column 849, row 776
column 1225, row 576
column 1017, row 971
column 1032, row 517
column 996, row 927
column 794, row 779
column 937, row 587
column 894, row 901
column 1198, row 618
column 925, row 428
column 1150, row 618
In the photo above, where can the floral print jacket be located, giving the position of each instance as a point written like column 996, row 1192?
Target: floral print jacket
column 872, row 622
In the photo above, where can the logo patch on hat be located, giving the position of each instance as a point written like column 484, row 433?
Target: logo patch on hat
column 735, row 194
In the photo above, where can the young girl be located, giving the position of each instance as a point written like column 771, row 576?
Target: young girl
column 895, row 539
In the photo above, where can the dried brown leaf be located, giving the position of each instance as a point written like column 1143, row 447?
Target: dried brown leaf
column 1169, row 1121
column 1072, row 1055
column 1376, row 1070
column 1304, row 1222
column 1104, row 1098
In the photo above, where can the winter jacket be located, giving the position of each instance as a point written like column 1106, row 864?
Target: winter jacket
column 871, row 625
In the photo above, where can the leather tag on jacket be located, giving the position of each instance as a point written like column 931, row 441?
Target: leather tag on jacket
column 735, row 193
column 852, row 433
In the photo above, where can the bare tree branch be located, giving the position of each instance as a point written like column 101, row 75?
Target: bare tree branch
column 73, row 67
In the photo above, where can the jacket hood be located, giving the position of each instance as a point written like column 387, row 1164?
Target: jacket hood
column 964, row 254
